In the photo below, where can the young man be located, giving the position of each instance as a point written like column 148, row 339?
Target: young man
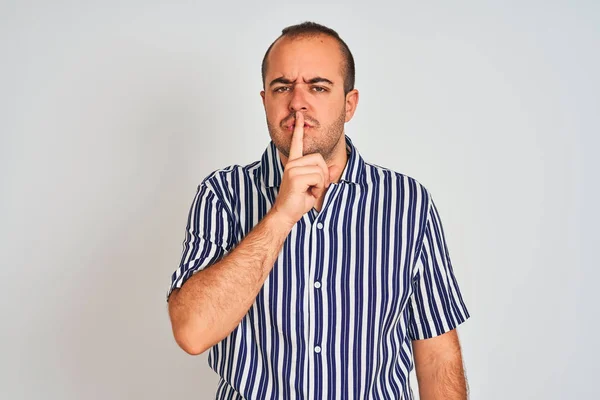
column 312, row 273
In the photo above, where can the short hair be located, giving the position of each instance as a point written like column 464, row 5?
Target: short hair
column 312, row 29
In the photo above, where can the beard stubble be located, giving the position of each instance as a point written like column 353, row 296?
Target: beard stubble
column 323, row 141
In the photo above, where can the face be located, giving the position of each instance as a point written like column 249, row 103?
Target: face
column 305, row 75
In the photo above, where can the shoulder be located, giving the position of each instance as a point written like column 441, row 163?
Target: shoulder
column 405, row 185
column 224, row 181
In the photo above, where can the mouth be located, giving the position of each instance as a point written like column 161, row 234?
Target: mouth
column 292, row 125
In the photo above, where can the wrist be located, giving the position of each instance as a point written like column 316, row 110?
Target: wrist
column 279, row 221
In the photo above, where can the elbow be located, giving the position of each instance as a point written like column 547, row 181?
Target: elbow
column 191, row 333
column 187, row 332
column 190, row 341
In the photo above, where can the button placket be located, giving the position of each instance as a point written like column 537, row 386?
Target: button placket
column 318, row 238
column 313, row 314
column 318, row 299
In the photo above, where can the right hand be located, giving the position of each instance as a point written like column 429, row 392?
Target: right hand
column 305, row 178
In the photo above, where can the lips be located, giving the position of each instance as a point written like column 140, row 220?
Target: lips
column 293, row 125
column 290, row 122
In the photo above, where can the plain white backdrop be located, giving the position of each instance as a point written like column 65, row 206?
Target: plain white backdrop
column 111, row 113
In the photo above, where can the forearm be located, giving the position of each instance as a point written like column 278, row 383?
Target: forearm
column 213, row 301
column 442, row 379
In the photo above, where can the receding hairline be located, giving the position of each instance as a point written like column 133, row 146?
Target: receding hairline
column 296, row 36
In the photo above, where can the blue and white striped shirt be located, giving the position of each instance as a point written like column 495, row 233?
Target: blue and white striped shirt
column 353, row 285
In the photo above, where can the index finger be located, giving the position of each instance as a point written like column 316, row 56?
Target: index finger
column 296, row 148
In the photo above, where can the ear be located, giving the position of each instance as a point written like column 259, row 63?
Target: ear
column 262, row 95
column 351, row 104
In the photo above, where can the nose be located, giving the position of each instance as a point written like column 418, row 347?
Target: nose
column 298, row 101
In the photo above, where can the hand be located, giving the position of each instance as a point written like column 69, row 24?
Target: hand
column 305, row 178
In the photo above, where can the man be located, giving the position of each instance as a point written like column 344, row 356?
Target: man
column 312, row 273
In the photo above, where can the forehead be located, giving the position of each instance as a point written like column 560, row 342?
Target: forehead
column 307, row 57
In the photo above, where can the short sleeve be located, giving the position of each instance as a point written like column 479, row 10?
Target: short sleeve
column 436, row 304
column 207, row 239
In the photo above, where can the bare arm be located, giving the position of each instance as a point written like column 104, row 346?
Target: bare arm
column 439, row 368
column 213, row 301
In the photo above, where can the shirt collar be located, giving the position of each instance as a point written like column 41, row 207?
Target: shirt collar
column 272, row 168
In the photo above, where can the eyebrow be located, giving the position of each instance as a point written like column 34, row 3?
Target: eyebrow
column 286, row 81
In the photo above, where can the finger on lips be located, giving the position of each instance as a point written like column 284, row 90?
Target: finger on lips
column 298, row 160
column 296, row 148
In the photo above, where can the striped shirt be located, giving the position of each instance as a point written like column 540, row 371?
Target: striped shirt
column 352, row 286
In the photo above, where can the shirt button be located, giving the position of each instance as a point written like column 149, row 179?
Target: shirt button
column 319, row 226
column 318, row 349
column 317, row 284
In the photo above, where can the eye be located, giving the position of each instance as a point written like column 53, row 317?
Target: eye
column 319, row 89
column 281, row 89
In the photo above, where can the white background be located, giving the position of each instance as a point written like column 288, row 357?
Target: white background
column 112, row 113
